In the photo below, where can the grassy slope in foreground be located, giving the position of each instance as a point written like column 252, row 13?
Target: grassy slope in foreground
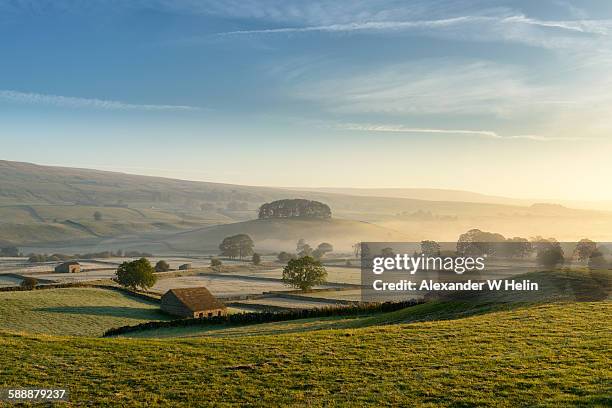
column 73, row 311
column 547, row 355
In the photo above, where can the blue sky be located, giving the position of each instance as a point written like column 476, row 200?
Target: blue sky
column 500, row 97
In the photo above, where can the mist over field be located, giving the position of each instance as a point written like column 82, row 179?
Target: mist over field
column 51, row 209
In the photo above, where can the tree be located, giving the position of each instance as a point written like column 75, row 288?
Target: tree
column 584, row 249
column 317, row 254
column 430, row 248
column 256, row 259
column 97, row 216
column 300, row 245
column 29, row 283
column 306, row 251
column 284, row 257
column 387, row 252
column 325, row 247
column 550, row 257
column 357, row 249
column 216, row 264
column 597, row 260
column 304, row 273
column 516, row 247
column 477, row 243
column 136, row 274
column 162, row 266
column 237, row 246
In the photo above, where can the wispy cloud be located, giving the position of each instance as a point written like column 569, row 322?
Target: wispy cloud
column 30, row 98
column 460, row 132
column 432, row 86
column 495, row 27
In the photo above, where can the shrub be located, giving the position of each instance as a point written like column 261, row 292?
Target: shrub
column 29, row 283
column 256, row 259
column 215, row 264
column 267, row 317
column 162, row 266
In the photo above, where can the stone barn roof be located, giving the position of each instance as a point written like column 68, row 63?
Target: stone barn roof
column 196, row 299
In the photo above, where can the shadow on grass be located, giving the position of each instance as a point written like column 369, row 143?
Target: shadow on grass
column 115, row 311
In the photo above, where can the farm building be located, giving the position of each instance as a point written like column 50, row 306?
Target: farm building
column 68, row 267
column 184, row 267
column 192, row 302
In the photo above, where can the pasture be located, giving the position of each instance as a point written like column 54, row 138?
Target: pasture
column 547, row 355
column 73, row 311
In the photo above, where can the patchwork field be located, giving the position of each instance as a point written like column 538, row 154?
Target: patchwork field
column 221, row 286
column 73, row 311
column 514, row 358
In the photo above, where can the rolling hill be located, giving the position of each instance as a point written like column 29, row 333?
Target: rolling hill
column 552, row 355
column 45, row 207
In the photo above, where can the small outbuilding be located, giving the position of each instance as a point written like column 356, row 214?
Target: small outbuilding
column 184, row 267
column 68, row 267
column 192, row 302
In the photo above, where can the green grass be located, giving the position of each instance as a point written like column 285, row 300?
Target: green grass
column 73, row 311
column 549, row 355
column 560, row 285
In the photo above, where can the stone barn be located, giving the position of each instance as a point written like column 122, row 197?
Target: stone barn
column 68, row 267
column 192, row 302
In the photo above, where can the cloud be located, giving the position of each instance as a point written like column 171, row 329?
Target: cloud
column 516, row 28
column 434, row 86
column 461, row 132
column 30, row 98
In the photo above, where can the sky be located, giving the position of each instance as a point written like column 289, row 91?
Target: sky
column 500, row 97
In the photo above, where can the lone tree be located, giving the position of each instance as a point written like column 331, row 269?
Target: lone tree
column 256, row 259
column 136, row 274
column 304, row 273
column 98, row 216
column 162, row 266
column 237, row 246
column 29, row 283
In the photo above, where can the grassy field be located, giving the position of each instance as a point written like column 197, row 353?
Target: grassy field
column 73, row 311
column 549, row 355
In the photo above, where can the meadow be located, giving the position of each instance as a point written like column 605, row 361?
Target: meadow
column 547, row 355
column 73, row 311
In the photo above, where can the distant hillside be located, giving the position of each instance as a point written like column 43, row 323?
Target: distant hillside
column 48, row 205
column 282, row 234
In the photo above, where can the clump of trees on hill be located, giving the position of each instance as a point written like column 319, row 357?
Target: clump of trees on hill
column 294, row 208
column 162, row 266
column 136, row 274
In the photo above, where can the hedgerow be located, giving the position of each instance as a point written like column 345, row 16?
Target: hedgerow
column 267, row 317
